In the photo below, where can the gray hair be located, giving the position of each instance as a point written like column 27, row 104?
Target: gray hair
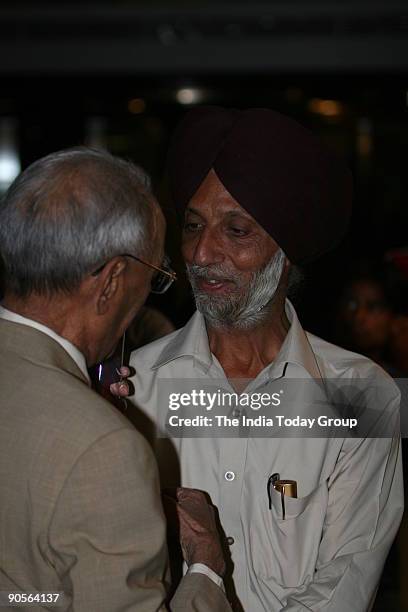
column 69, row 213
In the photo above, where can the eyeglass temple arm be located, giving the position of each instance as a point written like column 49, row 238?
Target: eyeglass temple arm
column 172, row 275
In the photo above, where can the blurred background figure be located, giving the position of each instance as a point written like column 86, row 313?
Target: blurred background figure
column 372, row 313
column 372, row 319
column 365, row 315
column 399, row 342
column 398, row 262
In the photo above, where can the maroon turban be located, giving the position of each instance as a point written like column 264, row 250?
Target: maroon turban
column 278, row 171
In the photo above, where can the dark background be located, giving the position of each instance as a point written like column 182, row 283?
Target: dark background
column 110, row 73
column 69, row 72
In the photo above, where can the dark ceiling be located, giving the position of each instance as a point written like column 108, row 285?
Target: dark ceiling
column 147, row 38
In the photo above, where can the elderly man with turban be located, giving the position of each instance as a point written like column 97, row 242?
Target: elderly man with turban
column 261, row 194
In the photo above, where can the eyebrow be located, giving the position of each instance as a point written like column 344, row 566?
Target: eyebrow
column 193, row 210
column 231, row 214
column 236, row 213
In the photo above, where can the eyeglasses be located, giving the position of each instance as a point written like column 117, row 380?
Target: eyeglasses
column 164, row 277
column 161, row 280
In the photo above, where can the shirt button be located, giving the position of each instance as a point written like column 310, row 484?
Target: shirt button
column 236, row 413
column 229, row 476
column 230, row 540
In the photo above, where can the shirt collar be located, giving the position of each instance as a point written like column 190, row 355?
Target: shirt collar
column 296, row 348
column 72, row 350
column 192, row 341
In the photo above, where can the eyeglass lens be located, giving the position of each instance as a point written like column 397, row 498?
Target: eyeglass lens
column 161, row 282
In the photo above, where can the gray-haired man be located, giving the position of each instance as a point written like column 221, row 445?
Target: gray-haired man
column 80, row 238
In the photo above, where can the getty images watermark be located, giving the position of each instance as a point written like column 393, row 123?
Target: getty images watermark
column 280, row 408
column 209, row 400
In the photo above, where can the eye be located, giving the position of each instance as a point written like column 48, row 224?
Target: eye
column 192, row 227
column 237, row 231
column 352, row 305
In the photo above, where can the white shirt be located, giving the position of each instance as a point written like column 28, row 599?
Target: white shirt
column 329, row 551
column 72, row 350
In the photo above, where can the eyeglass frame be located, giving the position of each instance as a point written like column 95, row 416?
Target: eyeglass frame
column 169, row 273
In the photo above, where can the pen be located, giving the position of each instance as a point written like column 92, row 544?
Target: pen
column 286, row 488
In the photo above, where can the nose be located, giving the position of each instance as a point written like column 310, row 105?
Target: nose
column 207, row 249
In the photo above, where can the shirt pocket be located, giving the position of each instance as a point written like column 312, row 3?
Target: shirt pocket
column 286, row 550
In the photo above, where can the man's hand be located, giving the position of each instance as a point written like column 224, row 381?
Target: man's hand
column 199, row 538
column 121, row 388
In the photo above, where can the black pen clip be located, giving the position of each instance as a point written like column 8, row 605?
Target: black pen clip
column 271, row 482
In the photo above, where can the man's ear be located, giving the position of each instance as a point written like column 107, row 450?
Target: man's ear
column 285, row 271
column 108, row 283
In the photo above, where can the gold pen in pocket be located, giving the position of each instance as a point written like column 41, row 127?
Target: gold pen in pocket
column 287, row 488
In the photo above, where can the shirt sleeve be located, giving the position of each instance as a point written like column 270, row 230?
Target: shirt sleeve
column 201, row 568
column 365, row 507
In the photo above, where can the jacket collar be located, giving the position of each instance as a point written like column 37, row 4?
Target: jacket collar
column 39, row 348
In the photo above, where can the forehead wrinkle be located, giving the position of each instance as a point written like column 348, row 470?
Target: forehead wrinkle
column 226, row 210
column 231, row 214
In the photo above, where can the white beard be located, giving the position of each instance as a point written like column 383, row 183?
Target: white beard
column 243, row 310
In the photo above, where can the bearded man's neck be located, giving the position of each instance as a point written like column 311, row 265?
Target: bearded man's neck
column 244, row 353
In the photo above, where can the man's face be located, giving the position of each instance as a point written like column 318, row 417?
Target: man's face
column 367, row 315
column 234, row 266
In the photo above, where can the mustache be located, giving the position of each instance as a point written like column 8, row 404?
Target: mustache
column 214, row 272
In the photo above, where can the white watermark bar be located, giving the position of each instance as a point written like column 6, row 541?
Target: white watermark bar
column 20, row 599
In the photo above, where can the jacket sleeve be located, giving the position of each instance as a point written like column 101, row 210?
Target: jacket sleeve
column 198, row 593
column 364, row 511
column 107, row 539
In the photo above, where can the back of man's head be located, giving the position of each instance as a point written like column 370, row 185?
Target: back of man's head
column 69, row 213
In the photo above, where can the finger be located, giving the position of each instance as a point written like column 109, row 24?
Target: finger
column 113, row 388
column 189, row 522
column 119, row 389
column 124, row 371
column 188, row 492
column 123, row 388
column 193, row 498
column 198, row 516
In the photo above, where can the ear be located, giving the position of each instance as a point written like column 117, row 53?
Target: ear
column 108, row 283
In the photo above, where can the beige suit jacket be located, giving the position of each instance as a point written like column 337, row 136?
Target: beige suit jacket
column 80, row 508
